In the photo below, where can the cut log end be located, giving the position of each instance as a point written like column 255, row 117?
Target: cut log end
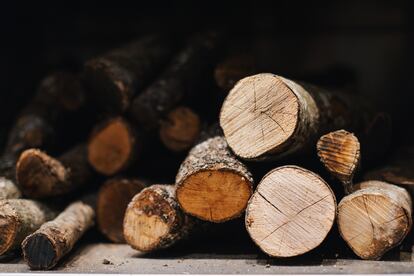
column 259, row 115
column 111, row 147
column 9, row 224
column 37, row 173
column 115, row 192
column 291, row 212
column 181, row 129
column 214, row 195
column 40, row 252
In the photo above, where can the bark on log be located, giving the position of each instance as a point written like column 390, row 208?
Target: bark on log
column 116, row 192
column 154, row 220
column 18, row 219
column 40, row 175
column 339, row 152
column 44, row 248
column 114, row 78
column 375, row 218
column 181, row 129
column 183, row 77
column 212, row 184
column 291, row 212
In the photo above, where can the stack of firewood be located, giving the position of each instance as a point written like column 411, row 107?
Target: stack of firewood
column 155, row 112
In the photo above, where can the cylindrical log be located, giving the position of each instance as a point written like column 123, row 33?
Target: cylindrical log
column 54, row 239
column 375, row 218
column 181, row 129
column 114, row 78
column 40, row 175
column 18, row 219
column 182, row 77
column 291, row 212
column 113, row 146
column 154, row 220
column 267, row 115
column 212, row 184
column 116, row 192
column 8, row 189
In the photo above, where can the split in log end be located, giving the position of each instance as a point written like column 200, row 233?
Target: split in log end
column 40, row 252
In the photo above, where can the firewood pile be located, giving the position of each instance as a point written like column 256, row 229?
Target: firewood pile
column 183, row 136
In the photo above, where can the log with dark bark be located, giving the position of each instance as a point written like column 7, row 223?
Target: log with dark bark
column 40, row 175
column 45, row 247
column 183, row 77
column 154, row 220
column 375, row 218
column 116, row 77
column 116, row 192
column 18, row 219
column 212, row 184
column 291, row 212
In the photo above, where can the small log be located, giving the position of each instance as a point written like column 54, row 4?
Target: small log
column 181, row 129
column 339, row 152
column 212, row 184
column 114, row 78
column 182, row 78
column 266, row 115
column 153, row 219
column 40, row 175
column 18, row 219
column 291, row 212
column 113, row 146
column 8, row 189
column 375, row 218
column 115, row 192
column 44, row 248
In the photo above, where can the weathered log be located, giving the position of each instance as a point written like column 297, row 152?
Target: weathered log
column 339, row 152
column 18, row 219
column 374, row 218
column 182, row 78
column 154, row 220
column 212, row 184
column 181, row 129
column 291, row 212
column 45, row 247
column 116, row 192
column 40, row 175
column 115, row 78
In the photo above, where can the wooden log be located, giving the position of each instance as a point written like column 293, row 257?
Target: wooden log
column 18, row 219
column 116, row 192
column 181, row 129
column 115, row 78
column 53, row 240
column 291, row 212
column 113, row 146
column 184, row 76
column 212, row 184
column 266, row 115
column 40, row 175
column 154, row 220
column 339, row 152
column 375, row 218
column 8, row 189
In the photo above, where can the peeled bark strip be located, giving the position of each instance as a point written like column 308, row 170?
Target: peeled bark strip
column 375, row 218
column 212, row 184
column 267, row 115
column 45, row 247
column 115, row 77
column 112, row 146
column 182, row 77
column 291, row 212
column 154, row 220
column 18, row 219
column 40, row 175
column 181, row 129
column 115, row 192
column 339, row 152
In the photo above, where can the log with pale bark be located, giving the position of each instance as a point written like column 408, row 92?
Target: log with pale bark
column 291, row 212
column 375, row 218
